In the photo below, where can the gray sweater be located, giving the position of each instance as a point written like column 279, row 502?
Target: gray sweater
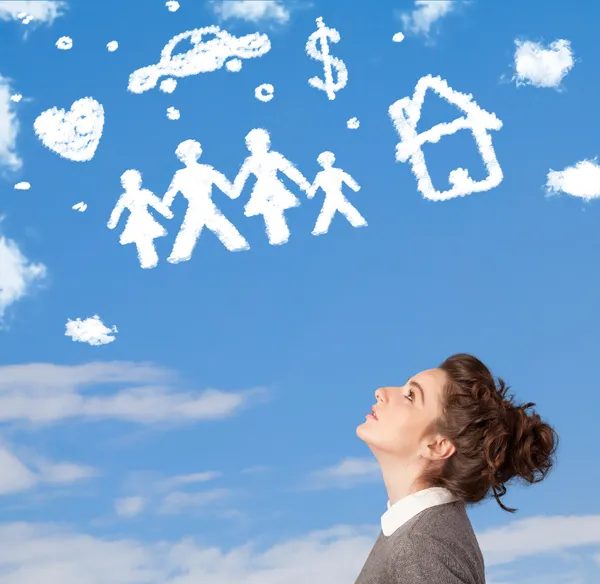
column 436, row 546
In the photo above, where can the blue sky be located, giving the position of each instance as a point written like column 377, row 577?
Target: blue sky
column 224, row 412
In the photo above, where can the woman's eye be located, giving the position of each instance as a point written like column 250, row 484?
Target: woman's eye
column 410, row 393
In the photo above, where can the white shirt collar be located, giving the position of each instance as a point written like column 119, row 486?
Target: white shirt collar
column 407, row 507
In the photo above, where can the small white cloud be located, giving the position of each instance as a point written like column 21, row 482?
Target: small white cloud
column 61, row 473
column 187, row 479
column 173, row 113
column 581, row 180
column 172, row 5
column 14, row 475
column 112, row 46
column 64, row 43
column 353, row 123
column 17, row 274
column 398, row 37
column 22, row 186
column 81, row 207
column 425, row 14
column 347, row 473
column 129, row 506
column 9, row 127
column 178, row 502
column 17, row 475
column 91, row 330
column 542, row 67
column 17, row 97
column 38, row 10
column 164, row 495
column 252, row 10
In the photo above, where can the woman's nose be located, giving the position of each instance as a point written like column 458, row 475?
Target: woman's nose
column 379, row 396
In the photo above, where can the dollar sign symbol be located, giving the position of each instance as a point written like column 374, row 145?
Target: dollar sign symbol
column 322, row 35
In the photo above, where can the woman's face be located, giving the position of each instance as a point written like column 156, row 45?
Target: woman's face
column 404, row 416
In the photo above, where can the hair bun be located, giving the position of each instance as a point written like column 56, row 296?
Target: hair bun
column 533, row 444
column 495, row 439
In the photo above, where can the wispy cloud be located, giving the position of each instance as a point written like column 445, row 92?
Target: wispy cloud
column 252, row 10
column 45, row 11
column 18, row 475
column 187, row 479
column 345, row 474
column 255, row 469
column 44, row 393
column 179, row 502
column 542, row 66
column 581, row 180
column 538, row 535
column 425, row 14
column 37, row 553
column 130, row 506
column 18, row 275
column 9, row 128
column 164, row 495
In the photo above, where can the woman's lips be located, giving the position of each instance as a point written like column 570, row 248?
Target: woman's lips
column 371, row 417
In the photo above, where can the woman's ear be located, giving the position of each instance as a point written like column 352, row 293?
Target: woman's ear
column 440, row 449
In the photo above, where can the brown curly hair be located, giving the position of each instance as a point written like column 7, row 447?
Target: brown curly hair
column 495, row 439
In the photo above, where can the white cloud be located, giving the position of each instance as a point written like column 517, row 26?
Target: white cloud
column 61, row 473
column 42, row 392
column 187, row 479
column 581, row 180
column 252, row 10
column 149, row 491
column 542, row 67
column 425, row 14
column 17, row 274
column 347, row 473
column 129, row 506
column 538, row 535
column 9, row 128
column 41, row 10
column 90, row 330
column 179, row 502
column 16, row 475
column 53, row 377
column 255, row 469
column 45, row 553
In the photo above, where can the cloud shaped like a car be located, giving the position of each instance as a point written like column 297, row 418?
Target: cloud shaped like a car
column 211, row 48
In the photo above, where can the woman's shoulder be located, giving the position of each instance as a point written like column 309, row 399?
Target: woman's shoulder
column 448, row 520
column 443, row 536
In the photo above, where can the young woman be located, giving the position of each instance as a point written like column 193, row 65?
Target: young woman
column 448, row 438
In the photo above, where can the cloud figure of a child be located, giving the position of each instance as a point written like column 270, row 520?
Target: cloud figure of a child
column 141, row 228
column 331, row 180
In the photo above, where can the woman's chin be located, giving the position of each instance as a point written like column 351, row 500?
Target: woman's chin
column 360, row 431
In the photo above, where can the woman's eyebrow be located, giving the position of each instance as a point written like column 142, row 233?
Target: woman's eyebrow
column 418, row 386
